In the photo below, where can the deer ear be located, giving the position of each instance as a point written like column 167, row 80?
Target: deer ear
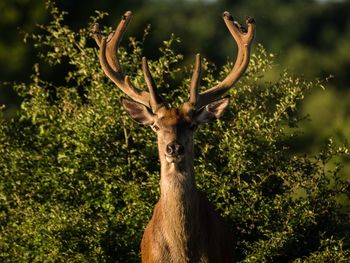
column 212, row 111
column 138, row 112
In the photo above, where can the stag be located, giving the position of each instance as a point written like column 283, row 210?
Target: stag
column 185, row 226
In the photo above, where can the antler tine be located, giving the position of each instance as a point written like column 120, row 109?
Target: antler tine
column 244, row 38
column 156, row 101
column 195, row 80
column 97, row 34
column 110, row 62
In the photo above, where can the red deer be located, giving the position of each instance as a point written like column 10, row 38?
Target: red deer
column 185, row 226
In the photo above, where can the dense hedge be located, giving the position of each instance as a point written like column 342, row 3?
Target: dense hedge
column 78, row 179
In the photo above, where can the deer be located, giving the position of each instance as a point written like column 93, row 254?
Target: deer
column 185, row 226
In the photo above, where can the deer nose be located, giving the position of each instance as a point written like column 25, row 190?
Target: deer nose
column 174, row 148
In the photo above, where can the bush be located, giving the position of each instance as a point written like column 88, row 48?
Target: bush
column 79, row 179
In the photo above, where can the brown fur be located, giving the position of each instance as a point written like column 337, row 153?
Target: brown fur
column 206, row 240
column 184, row 227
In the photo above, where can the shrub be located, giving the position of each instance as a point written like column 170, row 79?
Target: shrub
column 79, row 179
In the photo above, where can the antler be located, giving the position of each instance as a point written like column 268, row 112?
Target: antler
column 243, row 38
column 110, row 64
column 195, row 80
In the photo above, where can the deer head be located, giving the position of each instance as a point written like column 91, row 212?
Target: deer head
column 174, row 126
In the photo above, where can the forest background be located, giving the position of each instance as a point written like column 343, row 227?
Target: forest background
column 311, row 38
column 78, row 179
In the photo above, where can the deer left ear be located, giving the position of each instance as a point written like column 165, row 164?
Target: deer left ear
column 138, row 112
column 212, row 111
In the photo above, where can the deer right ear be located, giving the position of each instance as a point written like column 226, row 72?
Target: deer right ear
column 138, row 112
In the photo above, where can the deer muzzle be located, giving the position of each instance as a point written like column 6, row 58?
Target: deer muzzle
column 174, row 152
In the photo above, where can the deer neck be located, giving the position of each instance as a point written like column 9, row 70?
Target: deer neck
column 177, row 181
column 179, row 205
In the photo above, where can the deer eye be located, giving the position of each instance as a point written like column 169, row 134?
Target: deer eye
column 155, row 127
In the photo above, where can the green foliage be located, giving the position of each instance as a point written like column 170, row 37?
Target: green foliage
column 78, row 179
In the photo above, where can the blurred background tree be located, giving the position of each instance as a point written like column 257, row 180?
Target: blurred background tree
column 311, row 38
